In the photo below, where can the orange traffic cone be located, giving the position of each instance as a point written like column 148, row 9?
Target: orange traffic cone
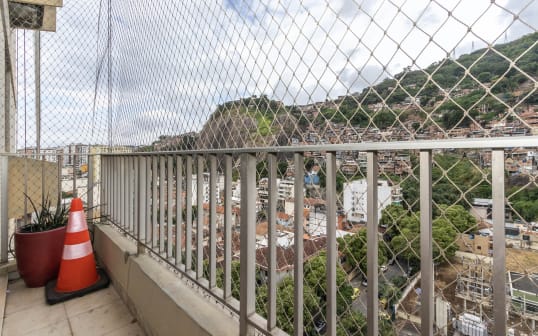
column 78, row 274
column 77, row 269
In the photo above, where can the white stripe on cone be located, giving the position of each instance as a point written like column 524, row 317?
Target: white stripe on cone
column 77, row 251
column 77, row 222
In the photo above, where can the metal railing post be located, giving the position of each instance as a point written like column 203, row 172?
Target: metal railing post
column 135, row 192
column 372, row 245
column 142, row 202
column 169, row 203
column 188, row 213
column 179, row 209
column 162, row 199
column 199, row 216
column 332, row 252
column 154, row 201
column 4, row 232
column 248, row 243
column 227, row 227
column 298, row 242
column 271, row 226
column 148, row 219
column 499, row 247
column 212, row 221
column 90, row 185
column 426, row 253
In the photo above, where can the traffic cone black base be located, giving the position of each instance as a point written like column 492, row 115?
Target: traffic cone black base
column 53, row 296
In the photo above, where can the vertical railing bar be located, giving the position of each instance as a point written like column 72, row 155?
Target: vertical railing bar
column 117, row 190
column 142, row 198
column 125, row 195
column 426, row 252
column 89, row 189
column 115, row 186
column 188, row 223
column 121, row 192
column 212, row 221
column 4, row 218
column 162, row 199
column 199, row 217
column 148, row 204
column 102, row 185
column 248, row 243
column 228, row 226
column 372, row 245
column 136, row 191
column 179, row 209
column 298, row 240
column 75, row 174
column 106, row 187
column 110, row 186
column 271, row 218
column 154, row 202
column 106, row 163
column 129, row 194
column 499, row 247
column 169, row 216
column 111, row 181
column 132, row 195
column 332, row 254
column 59, row 167
column 116, row 205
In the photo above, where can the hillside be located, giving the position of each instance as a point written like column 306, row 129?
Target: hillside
column 466, row 80
column 472, row 90
column 248, row 122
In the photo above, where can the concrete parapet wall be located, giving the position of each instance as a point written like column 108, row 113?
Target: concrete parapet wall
column 162, row 303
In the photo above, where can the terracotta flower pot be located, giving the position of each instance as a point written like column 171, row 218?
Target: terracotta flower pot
column 39, row 255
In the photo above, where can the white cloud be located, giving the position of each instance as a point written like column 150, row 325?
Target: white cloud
column 174, row 62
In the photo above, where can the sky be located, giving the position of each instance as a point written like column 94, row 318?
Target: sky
column 173, row 62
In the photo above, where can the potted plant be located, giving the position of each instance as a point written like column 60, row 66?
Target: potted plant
column 39, row 244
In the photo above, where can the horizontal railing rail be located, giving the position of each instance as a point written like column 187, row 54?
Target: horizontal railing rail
column 151, row 196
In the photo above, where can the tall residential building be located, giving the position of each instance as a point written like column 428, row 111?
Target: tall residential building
column 355, row 198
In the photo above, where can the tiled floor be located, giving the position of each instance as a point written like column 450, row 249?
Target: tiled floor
column 99, row 313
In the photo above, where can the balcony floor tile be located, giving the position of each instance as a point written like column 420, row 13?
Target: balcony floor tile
column 99, row 313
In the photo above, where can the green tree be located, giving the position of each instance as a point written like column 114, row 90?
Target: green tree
column 351, row 323
column 261, row 170
column 444, row 240
column 459, row 217
column 384, row 119
column 354, row 248
column 315, row 275
column 406, row 245
column 285, row 306
column 235, row 278
column 391, row 217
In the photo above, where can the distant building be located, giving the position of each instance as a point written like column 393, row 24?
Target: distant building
column 205, row 188
column 524, row 292
column 355, row 199
column 286, row 189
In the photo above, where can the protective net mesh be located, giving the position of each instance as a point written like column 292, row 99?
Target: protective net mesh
column 176, row 75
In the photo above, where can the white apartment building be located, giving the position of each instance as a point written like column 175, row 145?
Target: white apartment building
column 355, row 199
column 286, row 189
column 205, row 188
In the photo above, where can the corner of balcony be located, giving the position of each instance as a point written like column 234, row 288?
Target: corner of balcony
column 144, row 299
column 162, row 304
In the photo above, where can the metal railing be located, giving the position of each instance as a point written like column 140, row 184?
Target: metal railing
column 144, row 194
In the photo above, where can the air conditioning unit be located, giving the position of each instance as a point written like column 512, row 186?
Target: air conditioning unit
column 33, row 14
